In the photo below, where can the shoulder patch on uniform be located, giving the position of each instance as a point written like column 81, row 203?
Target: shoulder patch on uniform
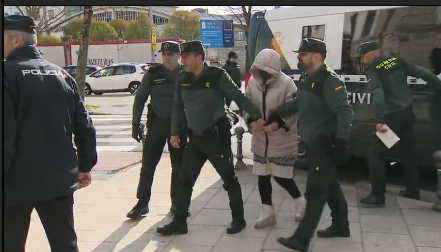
column 154, row 67
column 338, row 87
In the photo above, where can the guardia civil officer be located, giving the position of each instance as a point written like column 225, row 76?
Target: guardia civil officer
column 202, row 90
column 41, row 169
column 392, row 97
column 158, row 83
column 324, row 119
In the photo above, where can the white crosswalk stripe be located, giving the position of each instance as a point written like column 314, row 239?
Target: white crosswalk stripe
column 114, row 133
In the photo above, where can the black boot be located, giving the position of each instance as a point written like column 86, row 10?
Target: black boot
column 292, row 243
column 373, row 200
column 411, row 194
column 334, row 231
column 139, row 210
column 237, row 225
column 176, row 227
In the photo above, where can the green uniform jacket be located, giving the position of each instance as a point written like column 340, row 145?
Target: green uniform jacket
column 202, row 98
column 387, row 82
column 323, row 106
column 158, row 83
column 233, row 69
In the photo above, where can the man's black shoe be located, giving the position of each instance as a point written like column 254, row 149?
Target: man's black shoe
column 373, row 200
column 292, row 243
column 410, row 194
column 139, row 210
column 176, row 227
column 236, row 226
column 334, row 231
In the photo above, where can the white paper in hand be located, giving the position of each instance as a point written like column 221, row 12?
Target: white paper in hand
column 389, row 138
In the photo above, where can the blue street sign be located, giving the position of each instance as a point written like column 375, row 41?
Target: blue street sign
column 217, row 33
column 228, row 33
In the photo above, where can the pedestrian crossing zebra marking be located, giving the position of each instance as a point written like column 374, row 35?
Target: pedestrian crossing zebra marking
column 114, row 133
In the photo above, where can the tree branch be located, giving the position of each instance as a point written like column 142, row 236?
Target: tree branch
column 20, row 10
column 42, row 27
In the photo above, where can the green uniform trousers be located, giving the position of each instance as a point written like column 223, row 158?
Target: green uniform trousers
column 216, row 148
column 402, row 124
column 158, row 133
column 322, row 187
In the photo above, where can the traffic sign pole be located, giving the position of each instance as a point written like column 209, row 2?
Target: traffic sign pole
column 153, row 35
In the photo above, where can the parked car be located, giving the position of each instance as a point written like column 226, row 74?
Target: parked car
column 120, row 77
column 72, row 70
column 149, row 64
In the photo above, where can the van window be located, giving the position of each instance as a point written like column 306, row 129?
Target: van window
column 408, row 32
column 314, row 31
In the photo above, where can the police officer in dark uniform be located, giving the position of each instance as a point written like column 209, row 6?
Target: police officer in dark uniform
column 41, row 169
column 392, row 97
column 158, row 83
column 202, row 90
column 325, row 118
column 233, row 69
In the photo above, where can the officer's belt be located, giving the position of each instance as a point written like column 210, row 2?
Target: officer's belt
column 212, row 131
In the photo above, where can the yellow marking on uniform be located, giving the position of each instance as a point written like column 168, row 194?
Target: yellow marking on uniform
column 207, row 84
column 312, row 85
column 387, row 64
column 184, row 85
column 317, row 168
column 338, row 88
column 369, row 79
column 159, row 80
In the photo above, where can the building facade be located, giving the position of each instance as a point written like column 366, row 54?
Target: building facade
column 55, row 18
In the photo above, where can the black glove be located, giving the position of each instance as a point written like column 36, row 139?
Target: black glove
column 340, row 152
column 182, row 142
column 274, row 117
column 137, row 132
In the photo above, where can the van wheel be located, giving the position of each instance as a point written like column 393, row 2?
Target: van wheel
column 133, row 87
column 87, row 90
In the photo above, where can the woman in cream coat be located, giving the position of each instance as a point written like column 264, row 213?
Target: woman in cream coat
column 274, row 146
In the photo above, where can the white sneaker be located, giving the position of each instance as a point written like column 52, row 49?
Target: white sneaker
column 267, row 217
column 300, row 205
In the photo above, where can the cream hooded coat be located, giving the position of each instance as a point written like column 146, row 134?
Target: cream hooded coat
column 280, row 90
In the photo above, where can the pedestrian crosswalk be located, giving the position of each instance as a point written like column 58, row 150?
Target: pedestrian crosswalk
column 114, row 133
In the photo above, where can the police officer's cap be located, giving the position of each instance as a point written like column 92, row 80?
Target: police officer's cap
column 170, row 46
column 312, row 45
column 19, row 23
column 194, row 46
column 368, row 47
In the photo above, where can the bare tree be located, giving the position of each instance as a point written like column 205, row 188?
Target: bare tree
column 83, row 50
column 241, row 16
column 41, row 16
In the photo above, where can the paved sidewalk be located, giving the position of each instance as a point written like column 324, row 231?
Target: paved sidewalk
column 401, row 226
